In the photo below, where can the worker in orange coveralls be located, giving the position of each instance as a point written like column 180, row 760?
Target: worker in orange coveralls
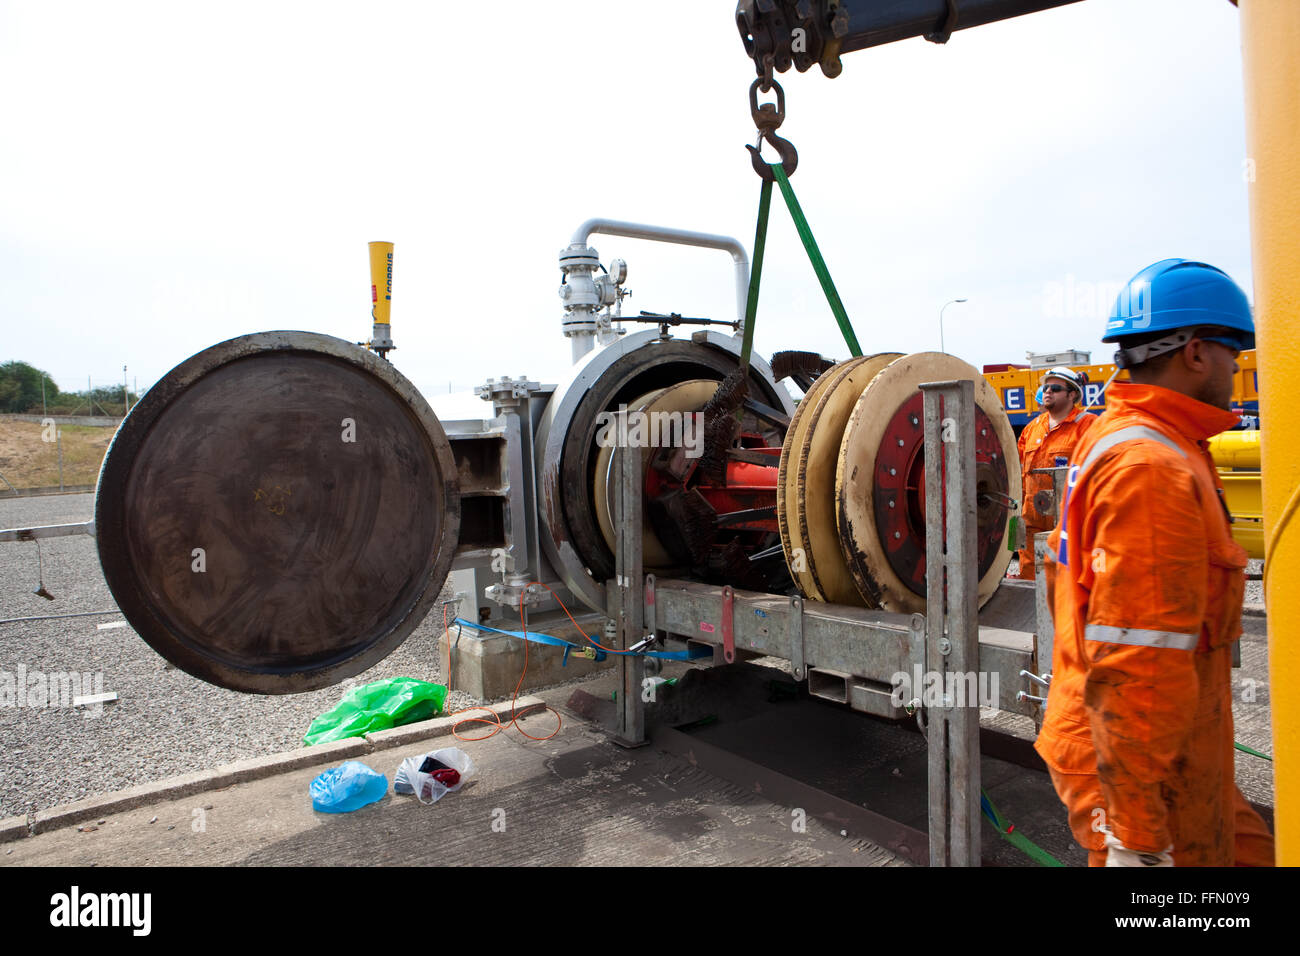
column 1146, row 584
column 1048, row 441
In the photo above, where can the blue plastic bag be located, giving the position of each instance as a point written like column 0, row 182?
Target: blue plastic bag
column 347, row 788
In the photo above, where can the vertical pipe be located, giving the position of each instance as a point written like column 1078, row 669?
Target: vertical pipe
column 1270, row 36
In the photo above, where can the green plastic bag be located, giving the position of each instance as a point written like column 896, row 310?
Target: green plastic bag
column 378, row 706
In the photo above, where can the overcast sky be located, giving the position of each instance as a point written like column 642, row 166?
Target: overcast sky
column 175, row 174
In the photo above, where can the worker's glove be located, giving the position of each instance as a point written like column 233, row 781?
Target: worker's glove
column 1117, row 854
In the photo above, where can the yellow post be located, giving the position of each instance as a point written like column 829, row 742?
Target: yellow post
column 1270, row 37
column 381, row 295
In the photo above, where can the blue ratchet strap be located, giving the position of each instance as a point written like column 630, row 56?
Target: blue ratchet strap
column 536, row 638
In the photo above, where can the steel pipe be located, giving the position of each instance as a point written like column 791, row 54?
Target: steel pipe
column 682, row 237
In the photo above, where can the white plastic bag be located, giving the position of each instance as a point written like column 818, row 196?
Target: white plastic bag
column 425, row 787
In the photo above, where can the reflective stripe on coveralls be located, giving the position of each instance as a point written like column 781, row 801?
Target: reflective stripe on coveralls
column 1132, row 635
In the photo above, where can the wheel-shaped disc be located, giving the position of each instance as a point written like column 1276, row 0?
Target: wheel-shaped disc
column 826, row 577
column 787, row 491
column 880, row 482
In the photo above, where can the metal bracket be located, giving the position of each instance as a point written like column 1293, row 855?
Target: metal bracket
column 728, row 626
column 942, row 32
column 796, row 637
column 1044, row 681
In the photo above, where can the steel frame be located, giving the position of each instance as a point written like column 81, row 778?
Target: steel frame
column 853, row 655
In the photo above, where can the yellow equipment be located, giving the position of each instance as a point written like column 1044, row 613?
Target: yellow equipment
column 1016, row 387
column 1237, row 457
column 381, row 297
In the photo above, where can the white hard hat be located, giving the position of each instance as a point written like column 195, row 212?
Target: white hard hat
column 1076, row 380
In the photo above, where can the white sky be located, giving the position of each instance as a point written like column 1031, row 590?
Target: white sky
column 175, row 174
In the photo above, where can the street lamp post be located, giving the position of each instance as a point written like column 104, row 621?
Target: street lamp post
column 945, row 305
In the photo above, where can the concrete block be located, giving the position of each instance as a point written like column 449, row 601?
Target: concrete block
column 12, row 828
column 487, row 665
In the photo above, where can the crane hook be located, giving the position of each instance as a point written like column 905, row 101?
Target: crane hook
column 784, row 148
column 767, row 119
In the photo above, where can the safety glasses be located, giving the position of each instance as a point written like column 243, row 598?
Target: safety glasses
column 1054, row 388
column 1225, row 337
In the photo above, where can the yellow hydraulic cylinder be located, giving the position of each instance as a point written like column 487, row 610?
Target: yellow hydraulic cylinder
column 381, row 281
column 1241, row 494
column 1270, row 37
column 1236, row 455
column 1236, row 450
column 381, row 296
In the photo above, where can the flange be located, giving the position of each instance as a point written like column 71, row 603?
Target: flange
column 278, row 512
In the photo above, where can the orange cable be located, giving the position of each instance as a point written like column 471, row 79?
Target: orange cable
column 514, row 718
column 590, row 639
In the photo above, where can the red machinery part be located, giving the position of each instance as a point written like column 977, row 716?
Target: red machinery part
column 899, row 495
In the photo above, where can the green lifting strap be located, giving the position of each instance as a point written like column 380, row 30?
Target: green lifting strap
column 1017, row 839
column 815, row 256
column 760, row 243
column 1251, row 750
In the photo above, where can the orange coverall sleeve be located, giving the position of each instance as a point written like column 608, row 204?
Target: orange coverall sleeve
column 1145, row 565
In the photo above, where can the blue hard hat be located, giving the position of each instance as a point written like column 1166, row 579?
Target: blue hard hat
column 1179, row 294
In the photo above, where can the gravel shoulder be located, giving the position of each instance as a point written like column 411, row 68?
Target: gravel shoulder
column 165, row 722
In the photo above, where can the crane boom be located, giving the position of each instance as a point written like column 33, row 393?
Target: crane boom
column 800, row 33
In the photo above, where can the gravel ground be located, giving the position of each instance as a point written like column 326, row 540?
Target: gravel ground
column 1254, row 589
column 166, row 722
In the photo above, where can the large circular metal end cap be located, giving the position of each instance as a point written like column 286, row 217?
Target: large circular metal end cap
column 278, row 513
column 880, row 482
column 811, row 538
